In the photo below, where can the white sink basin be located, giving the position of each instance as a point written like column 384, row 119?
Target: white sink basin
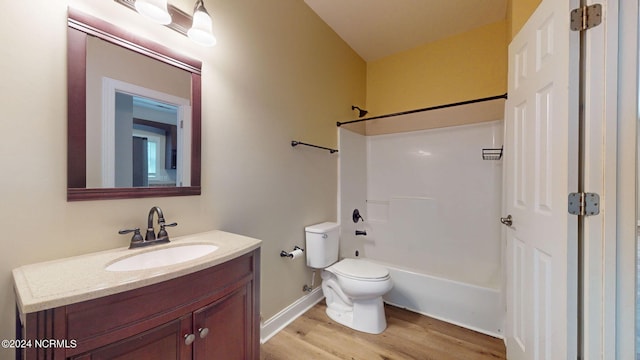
column 162, row 257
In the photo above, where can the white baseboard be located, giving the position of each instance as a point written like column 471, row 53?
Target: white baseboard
column 280, row 320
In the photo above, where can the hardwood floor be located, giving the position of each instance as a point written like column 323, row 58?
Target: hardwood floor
column 408, row 336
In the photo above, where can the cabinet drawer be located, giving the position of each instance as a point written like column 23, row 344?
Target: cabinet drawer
column 113, row 317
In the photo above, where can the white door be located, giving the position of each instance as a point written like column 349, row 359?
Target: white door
column 540, row 171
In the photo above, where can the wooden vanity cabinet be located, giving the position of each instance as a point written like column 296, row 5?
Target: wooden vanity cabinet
column 162, row 342
column 210, row 314
column 224, row 342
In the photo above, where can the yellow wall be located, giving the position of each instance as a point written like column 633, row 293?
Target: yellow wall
column 518, row 12
column 461, row 67
column 278, row 73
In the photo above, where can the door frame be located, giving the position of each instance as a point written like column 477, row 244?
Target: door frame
column 600, row 176
column 611, row 116
column 626, row 177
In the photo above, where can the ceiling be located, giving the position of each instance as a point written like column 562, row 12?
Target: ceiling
column 378, row 28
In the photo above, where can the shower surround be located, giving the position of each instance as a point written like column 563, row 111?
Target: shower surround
column 431, row 206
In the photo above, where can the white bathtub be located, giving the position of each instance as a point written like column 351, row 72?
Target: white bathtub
column 470, row 306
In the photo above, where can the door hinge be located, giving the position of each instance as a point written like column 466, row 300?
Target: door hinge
column 586, row 204
column 181, row 124
column 586, row 17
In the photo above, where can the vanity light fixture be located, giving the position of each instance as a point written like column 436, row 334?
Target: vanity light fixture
column 198, row 27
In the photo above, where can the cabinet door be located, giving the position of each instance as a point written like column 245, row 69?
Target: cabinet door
column 223, row 329
column 165, row 342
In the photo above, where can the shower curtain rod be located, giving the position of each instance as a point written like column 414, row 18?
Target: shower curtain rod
column 503, row 96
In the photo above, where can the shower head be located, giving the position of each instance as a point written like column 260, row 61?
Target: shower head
column 361, row 112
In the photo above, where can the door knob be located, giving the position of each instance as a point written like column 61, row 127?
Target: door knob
column 189, row 339
column 507, row 220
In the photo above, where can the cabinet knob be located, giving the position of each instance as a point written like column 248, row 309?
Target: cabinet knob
column 203, row 332
column 189, row 339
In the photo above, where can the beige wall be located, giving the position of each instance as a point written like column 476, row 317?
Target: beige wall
column 278, row 73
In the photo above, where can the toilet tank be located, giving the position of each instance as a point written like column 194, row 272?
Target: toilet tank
column 322, row 244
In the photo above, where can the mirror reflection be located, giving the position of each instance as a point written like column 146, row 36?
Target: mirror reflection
column 134, row 117
column 134, row 106
column 150, row 138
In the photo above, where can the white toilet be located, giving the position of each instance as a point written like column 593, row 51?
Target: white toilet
column 353, row 288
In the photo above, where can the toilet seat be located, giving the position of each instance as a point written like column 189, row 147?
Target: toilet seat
column 360, row 270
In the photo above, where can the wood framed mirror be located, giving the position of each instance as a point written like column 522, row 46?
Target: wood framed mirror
column 148, row 79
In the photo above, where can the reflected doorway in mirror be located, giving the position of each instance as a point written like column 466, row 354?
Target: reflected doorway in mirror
column 130, row 110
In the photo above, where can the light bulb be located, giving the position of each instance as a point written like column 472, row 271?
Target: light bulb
column 155, row 10
column 202, row 28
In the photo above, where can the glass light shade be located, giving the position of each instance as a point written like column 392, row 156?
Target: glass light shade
column 155, row 10
column 202, row 29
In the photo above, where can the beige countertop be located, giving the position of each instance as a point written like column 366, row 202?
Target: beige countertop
column 50, row 284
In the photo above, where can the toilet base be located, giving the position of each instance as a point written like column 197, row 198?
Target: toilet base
column 365, row 315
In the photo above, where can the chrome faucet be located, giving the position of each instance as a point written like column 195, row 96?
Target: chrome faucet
column 151, row 237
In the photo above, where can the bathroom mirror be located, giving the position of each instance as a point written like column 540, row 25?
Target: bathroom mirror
column 134, row 117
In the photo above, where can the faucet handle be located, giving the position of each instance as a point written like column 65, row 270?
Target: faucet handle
column 126, row 231
column 137, row 237
column 162, row 232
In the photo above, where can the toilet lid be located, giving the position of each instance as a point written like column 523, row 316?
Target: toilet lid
column 360, row 269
